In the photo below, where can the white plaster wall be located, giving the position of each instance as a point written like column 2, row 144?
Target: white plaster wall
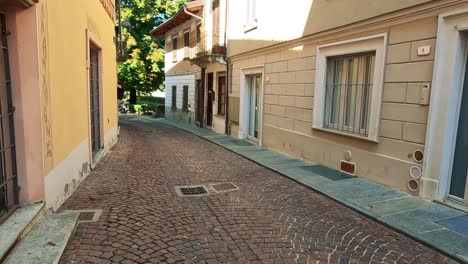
column 180, row 81
column 63, row 180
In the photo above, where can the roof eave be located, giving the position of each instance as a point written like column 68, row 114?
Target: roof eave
column 193, row 6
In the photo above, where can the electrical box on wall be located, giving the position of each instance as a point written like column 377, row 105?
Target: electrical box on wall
column 424, row 50
column 425, row 93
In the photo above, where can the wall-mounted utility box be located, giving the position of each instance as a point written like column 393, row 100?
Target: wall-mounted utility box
column 424, row 50
column 425, row 93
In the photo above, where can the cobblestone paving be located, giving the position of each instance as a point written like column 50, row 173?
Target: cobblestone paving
column 270, row 219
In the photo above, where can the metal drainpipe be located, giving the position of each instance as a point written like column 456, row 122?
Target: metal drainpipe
column 228, row 76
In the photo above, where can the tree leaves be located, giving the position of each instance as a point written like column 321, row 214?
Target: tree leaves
column 143, row 69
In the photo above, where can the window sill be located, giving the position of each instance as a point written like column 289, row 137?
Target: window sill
column 249, row 27
column 376, row 140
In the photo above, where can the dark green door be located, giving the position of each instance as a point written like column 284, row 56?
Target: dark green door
column 460, row 163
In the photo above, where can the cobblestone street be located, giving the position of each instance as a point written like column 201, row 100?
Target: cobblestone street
column 270, row 219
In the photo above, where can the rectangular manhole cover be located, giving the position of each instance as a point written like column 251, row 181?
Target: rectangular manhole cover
column 222, row 187
column 198, row 190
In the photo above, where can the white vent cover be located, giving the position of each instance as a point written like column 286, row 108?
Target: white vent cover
column 415, row 172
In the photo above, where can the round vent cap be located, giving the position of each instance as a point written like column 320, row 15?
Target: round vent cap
column 415, row 172
column 418, row 155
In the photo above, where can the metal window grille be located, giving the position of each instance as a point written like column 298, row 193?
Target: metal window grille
column 8, row 170
column 348, row 91
column 185, row 98
column 95, row 100
column 174, row 96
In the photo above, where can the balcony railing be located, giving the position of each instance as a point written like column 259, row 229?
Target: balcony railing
column 200, row 49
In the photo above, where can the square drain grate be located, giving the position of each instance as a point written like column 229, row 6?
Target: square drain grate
column 86, row 216
column 223, row 187
column 198, row 190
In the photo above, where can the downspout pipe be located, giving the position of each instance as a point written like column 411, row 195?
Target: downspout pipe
column 228, row 75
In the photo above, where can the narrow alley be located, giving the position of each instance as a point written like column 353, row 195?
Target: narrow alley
column 269, row 219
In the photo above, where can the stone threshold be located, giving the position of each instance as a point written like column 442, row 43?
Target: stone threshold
column 46, row 241
column 18, row 225
column 430, row 223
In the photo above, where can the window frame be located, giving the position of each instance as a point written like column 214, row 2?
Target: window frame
column 344, row 120
column 221, row 111
column 375, row 43
column 174, row 97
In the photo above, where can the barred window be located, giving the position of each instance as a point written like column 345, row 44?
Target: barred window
column 174, row 96
column 349, row 84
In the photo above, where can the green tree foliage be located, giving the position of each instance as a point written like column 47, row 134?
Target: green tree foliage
column 143, row 70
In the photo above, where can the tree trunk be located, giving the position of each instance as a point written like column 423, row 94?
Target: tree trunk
column 133, row 96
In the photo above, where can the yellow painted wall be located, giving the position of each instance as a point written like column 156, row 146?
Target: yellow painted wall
column 64, row 66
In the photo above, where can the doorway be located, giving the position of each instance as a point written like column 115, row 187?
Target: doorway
column 95, row 100
column 211, row 98
column 254, row 84
column 8, row 176
column 458, row 189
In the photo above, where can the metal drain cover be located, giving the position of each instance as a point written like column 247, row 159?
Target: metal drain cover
column 224, row 187
column 87, row 215
column 197, row 190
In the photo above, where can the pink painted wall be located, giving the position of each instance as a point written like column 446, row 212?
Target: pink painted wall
column 24, row 64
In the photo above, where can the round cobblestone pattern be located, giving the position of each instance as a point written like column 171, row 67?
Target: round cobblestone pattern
column 270, row 219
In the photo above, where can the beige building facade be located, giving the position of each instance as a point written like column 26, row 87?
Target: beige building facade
column 195, row 81
column 375, row 92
